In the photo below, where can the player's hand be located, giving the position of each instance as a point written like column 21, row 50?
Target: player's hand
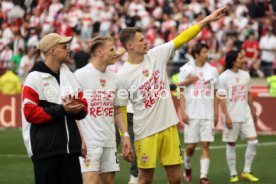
column 130, row 157
column 83, row 149
column 185, row 118
column 126, row 146
column 217, row 14
column 72, row 105
column 229, row 123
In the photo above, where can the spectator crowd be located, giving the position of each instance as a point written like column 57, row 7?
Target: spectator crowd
column 249, row 26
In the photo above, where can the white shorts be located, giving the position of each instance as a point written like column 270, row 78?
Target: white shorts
column 244, row 129
column 199, row 130
column 101, row 159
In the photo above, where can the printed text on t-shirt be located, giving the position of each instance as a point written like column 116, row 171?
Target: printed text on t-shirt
column 152, row 89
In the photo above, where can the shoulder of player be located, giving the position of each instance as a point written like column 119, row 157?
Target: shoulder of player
column 212, row 68
column 33, row 77
column 81, row 70
column 110, row 74
column 186, row 67
column 157, row 49
column 224, row 74
column 245, row 73
column 124, row 70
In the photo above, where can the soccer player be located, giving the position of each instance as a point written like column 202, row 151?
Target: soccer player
column 100, row 88
column 199, row 107
column 237, row 107
column 144, row 76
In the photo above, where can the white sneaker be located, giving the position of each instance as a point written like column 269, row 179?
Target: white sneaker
column 133, row 180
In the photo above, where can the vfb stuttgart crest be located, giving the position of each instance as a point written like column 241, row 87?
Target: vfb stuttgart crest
column 146, row 73
column 145, row 158
column 103, row 82
column 238, row 79
column 87, row 163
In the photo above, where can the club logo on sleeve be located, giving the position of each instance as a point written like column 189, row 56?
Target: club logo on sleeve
column 146, row 73
column 103, row 82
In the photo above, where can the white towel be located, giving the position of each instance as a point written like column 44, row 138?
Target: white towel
column 68, row 83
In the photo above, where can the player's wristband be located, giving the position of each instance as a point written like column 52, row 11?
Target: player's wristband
column 125, row 134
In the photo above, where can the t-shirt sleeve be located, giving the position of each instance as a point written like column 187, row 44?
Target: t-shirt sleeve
column 77, row 74
column 221, row 85
column 122, row 93
column 248, row 82
column 185, row 71
column 162, row 53
column 216, row 79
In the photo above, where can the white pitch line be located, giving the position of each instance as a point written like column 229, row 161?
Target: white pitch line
column 13, row 155
column 211, row 147
column 239, row 145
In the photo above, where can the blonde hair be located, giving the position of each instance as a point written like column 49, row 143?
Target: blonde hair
column 97, row 42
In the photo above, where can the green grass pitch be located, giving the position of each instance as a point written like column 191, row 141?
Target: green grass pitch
column 17, row 168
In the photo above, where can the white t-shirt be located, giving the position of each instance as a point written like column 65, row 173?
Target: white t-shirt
column 268, row 42
column 100, row 91
column 149, row 92
column 199, row 97
column 236, row 87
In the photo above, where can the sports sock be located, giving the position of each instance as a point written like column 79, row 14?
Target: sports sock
column 187, row 161
column 204, row 167
column 250, row 155
column 231, row 159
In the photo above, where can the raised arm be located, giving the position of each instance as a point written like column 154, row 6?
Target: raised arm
column 192, row 31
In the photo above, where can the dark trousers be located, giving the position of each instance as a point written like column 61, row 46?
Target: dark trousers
column 133, row 168
column 267, row 68
column 62, row 169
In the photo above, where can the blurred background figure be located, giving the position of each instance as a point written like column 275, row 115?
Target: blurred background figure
column 268, row 51
column 10, row 83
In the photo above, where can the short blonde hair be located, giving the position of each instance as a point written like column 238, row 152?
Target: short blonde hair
column 99, row 41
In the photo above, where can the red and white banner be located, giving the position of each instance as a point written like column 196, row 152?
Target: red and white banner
column 264, row 107
column 10, row 112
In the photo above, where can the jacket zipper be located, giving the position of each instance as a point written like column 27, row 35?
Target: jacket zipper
column 67, row 132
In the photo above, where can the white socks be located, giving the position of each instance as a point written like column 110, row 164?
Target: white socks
column 204, row 167
column 187, row 161
column 250, row 155
column 231, row 159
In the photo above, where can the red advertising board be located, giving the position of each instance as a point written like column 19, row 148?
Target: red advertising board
column 265, row 107
column 10, row 112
